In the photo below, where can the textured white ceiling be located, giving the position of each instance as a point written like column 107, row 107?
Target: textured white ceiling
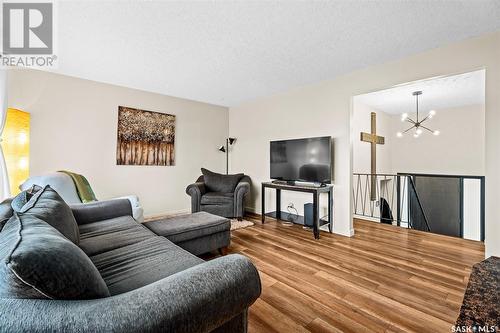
column 227, row 52
column 440, row 93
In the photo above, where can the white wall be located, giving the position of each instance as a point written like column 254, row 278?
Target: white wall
column 472, row 209
column 458, row 150
column 74, row 127
column 325, row 109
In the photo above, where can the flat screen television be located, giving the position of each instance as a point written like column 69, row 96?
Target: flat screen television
column 305, row 160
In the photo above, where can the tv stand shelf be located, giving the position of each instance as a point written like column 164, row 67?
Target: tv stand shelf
column 294, row 218
column 285, row 216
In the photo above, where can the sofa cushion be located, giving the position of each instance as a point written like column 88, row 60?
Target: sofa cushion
column 37, row 261
column 216, row 198
column 20, row 200
column 186, row 227
column 48, row 206
column 134, row 266
column 216, row 182
column 106, row 235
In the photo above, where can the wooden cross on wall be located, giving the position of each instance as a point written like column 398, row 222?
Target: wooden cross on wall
column 374, row 140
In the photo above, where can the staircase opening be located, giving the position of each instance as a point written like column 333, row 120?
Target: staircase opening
column 422, row 171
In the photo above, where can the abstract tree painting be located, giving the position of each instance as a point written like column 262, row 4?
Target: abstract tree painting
column 145, row 137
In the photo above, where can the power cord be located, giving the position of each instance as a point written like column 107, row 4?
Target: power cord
column 290, row 214
column 291, row 207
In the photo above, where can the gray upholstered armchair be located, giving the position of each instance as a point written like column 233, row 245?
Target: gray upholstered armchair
column 218, row 194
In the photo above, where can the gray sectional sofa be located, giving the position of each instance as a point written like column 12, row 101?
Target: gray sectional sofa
column 93, row 268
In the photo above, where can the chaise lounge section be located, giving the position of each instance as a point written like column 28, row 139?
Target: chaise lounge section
column 196, row 233
column 146, row 282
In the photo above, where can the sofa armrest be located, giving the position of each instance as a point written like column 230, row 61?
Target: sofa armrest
column 195, row 191
column 137, row 210
column 198, row 299
column 101, row 210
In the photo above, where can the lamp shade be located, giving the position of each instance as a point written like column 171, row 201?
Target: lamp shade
column 15, row 144
column 4, row 177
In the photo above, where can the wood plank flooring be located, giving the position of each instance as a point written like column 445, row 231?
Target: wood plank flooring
column 384, row 279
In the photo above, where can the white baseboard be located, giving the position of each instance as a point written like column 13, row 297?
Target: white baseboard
column 251, row 210
column 367, row 218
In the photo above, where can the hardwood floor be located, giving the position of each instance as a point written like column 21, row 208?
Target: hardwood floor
column 384, row 279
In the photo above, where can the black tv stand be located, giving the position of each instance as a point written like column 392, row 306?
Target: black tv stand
column 294, row 183
column 284, row 182
column 314, row 190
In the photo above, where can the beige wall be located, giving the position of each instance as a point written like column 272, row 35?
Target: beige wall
column 325, row 109
column 74, row 127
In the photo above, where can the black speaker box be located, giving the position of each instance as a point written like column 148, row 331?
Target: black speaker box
column 308, row 215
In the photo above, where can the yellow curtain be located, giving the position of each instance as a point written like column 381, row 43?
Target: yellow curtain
column 16, row 148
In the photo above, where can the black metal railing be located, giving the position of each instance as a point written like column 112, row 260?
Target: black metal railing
column 362, row 190
column 427, row 202
column 394, row 200
column 417, row 219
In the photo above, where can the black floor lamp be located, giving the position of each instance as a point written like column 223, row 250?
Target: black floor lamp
column 225, row 149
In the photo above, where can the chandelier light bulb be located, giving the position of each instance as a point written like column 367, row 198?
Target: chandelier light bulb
column 415, row 135
column 418, row 131
column 399, row 134
column 432, row 113
column 436, row 132
column 404, row 116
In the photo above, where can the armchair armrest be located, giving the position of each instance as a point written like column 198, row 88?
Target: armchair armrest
column 198, row 299
column 196, row 190
column 101, row 210
column 240, row 192
column 242, row 188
